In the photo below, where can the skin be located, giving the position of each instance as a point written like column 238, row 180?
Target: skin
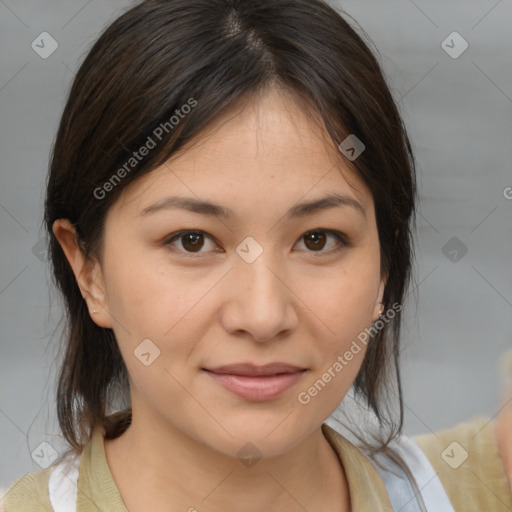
column 293, row 304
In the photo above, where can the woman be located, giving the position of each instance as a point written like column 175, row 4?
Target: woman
column 229, row 205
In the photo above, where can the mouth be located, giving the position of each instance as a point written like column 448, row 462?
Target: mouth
column 256, row 383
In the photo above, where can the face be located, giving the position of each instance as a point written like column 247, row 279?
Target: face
column 255, row 280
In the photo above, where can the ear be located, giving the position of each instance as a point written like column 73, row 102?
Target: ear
column 378, row 308
column 88, row 273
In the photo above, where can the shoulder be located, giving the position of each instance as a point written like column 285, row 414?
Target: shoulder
column 360, row 474
column 45, row 489
column 400, row 469
column 467, row 460
column 29, row 493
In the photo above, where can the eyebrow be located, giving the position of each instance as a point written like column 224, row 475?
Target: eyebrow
column 215, row 210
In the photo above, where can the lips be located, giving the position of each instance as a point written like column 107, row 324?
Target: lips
column 256, row 383
column 250, row 370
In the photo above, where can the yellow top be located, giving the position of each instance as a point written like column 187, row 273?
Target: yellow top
column 468, row 463
column 473, row 483
column 97, row 489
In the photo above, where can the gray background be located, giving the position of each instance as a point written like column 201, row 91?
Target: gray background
column 458, row 113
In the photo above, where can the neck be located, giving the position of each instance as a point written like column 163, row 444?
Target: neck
column 181, row 470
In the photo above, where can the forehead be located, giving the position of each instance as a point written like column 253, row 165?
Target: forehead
column 265, row 150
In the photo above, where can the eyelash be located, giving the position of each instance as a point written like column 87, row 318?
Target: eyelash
column 341, row 238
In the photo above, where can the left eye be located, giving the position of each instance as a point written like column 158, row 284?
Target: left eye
column 315, row 241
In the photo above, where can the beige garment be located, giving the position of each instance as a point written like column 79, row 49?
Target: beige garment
column 97, row 490
column 468, row 463
column 474, row 484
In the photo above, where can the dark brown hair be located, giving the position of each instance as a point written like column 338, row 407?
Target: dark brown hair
column 150, row 62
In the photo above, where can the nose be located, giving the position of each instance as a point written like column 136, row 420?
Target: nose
column 260, row 302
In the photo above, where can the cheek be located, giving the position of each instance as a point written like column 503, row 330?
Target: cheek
column 345, row 304
column 171, row 309
column 345, row 310
column 150, row 298
column 343, row 307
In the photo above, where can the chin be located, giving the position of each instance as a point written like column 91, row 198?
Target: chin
column 252, row 435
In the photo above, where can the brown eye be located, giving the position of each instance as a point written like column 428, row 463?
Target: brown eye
column 191, row 241
column 316, row 241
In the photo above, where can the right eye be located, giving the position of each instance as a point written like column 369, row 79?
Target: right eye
column 192, row 241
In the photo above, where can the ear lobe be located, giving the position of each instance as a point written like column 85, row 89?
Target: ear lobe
column 88, row 273
column 378, row 309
